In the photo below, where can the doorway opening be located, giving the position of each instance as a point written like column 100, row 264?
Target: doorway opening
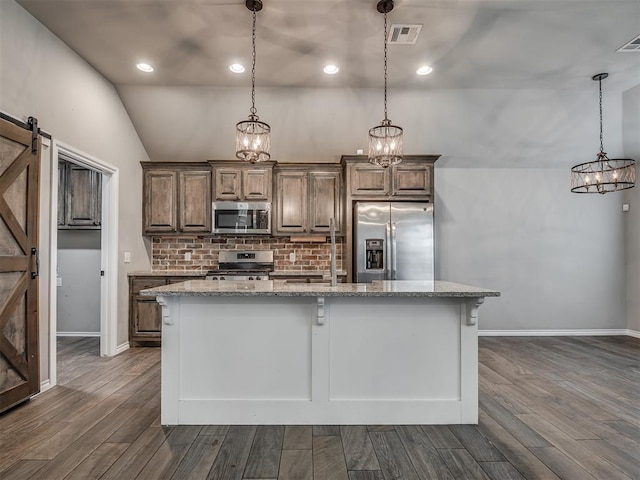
column 77, row 251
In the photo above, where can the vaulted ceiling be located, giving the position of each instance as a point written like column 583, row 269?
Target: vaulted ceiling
column 469, row 43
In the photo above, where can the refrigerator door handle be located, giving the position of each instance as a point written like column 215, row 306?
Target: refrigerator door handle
column 394, row 268
column 387, row 252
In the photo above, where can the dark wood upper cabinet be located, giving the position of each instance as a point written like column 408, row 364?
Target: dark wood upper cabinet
column 79, row 197
column 291, row 202
column 410, row 180
column 307, row 197
column 160, row 201
column 176, row 198
column 228, row 181
column 256, row 183
column 367, row 179
column 194, row 213
column 325, row 201
column 239, row 181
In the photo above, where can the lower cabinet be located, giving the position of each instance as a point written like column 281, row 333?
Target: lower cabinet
column 145, row 316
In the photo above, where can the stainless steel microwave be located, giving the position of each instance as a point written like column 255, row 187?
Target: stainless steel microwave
column 241, row 217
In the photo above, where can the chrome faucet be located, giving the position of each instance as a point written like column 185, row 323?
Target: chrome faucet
column 334, row 272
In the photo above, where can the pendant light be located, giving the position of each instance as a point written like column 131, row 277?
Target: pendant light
column 253, row 140
column 603, row 175
column 385, row 140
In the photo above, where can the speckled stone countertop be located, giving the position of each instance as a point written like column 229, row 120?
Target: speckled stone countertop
column 304, row 273
column 167, row 273
column 271, row 288
column 198, row 273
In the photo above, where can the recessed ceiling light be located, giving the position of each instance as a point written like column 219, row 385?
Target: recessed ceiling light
column 330, row 69
column 145, row 67
column 424, row 70
column 236, row 68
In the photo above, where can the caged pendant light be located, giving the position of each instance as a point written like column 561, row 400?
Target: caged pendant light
column 603, row 175
column 253, row 140
column 385, row 140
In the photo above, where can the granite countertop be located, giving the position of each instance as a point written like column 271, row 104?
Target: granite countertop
column 269, row 288
column 168, row 273
column 305, row 273
column 197, row 273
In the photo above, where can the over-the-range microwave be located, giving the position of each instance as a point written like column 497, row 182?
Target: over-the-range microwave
column 241, row 217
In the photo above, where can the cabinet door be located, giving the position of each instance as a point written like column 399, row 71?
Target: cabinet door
column 369, row 180
column 228, row 183
column 147, row 318
column 160, row 209
column 195, row 201
column 81, row 196
column 62, row 189
column 324, row 201
column 256, row 184
column 291, row 204
column 411, row 180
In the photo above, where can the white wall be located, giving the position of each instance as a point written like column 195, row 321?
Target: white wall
column 631, row 138
column 41, row 77
column 78, row 306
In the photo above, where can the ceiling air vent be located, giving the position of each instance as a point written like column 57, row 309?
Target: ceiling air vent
column 403, row 34
column 632, row 45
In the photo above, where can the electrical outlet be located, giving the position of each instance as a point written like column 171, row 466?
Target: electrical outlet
column 58, row 281
column 625, row 207
column 187, row 256
column 127, row 257
column 292, row 257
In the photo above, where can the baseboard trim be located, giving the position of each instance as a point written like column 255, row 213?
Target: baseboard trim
column 44, row 386
column 77, row 334
column 633, row 333
column 558, row 333
column 122, row 347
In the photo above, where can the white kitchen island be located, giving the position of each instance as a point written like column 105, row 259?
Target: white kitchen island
column 269, row 352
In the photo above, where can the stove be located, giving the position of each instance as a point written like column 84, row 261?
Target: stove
column 243, row 265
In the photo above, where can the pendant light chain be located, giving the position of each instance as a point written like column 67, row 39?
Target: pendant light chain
column 385, row 65
column 600, row 86
column 253, row 66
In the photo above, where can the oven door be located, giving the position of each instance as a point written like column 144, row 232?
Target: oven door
column 241, row 217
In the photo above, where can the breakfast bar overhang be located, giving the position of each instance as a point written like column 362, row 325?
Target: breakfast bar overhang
column 269, row 352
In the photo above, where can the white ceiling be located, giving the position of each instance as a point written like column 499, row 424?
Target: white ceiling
column 469, row 43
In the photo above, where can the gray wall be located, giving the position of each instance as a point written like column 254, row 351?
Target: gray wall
column 631, row 137
column 557, row 257
column 78, row 307
column 41, row 76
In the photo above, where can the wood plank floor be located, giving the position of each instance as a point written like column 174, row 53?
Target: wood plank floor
column 551, row 408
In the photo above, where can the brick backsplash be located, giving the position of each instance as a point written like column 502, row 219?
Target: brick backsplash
column 168, row 252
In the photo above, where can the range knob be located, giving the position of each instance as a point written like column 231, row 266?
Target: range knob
column 250, row 278
column 222, row 278
column 258, row 278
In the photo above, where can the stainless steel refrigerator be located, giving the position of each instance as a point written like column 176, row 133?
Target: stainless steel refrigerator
column 393, row 241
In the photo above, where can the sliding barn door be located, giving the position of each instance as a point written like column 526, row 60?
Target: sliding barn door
column 19, row 177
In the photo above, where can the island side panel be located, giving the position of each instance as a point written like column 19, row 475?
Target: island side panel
column 267, row 360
